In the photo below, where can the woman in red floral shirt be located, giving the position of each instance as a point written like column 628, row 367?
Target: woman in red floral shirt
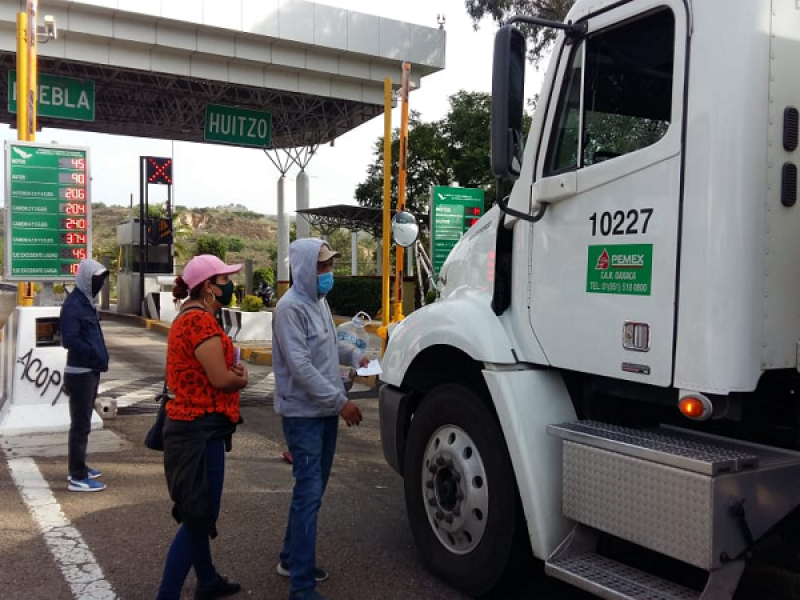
column 205, row 380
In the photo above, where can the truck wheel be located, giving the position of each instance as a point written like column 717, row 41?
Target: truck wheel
column 461, row 494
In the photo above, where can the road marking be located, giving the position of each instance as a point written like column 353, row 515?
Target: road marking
column 77, row 563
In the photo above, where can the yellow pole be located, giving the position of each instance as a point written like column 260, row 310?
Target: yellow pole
column 33, row 70
column 387, row 208
column 24, row 290
column 402, row 161
column 22, row 76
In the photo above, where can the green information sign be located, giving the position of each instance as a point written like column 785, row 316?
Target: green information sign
column 59, row 97
column 48, row 211
column 453, row 211
column 238, row 126
column 620, row 269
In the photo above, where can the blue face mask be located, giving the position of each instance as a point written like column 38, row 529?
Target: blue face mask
column 324, row 282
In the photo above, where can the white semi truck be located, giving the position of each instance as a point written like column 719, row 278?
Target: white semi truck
column 610, row 375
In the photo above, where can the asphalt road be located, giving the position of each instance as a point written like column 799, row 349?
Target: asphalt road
column 363, row 539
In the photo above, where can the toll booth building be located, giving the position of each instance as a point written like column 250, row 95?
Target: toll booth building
column 151, row 68
column 155, row 264
column 299, row 74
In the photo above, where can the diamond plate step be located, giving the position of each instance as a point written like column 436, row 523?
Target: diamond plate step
column 680, row 448
column 613, row 580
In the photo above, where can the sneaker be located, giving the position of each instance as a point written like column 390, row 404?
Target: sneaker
column 93, row 474
column 219, row 589
column 309, row 594
column 320, row 574
column 86, row 485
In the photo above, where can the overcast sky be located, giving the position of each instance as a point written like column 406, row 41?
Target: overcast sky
column 334, row 172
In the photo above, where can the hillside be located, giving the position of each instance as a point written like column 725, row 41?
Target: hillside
column 248, row 235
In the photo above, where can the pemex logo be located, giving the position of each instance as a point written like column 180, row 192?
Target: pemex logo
column 602, row 261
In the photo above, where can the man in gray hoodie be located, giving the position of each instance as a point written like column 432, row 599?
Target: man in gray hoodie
column 310, row 397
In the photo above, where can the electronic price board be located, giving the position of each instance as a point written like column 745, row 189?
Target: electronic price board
column 453, row 211
column 48, row 216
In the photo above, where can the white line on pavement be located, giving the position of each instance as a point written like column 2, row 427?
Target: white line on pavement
column 77, row 563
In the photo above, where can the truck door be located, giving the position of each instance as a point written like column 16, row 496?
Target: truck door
column 604, row 257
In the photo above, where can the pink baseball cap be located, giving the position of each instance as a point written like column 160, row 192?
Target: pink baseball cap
column 205, row 266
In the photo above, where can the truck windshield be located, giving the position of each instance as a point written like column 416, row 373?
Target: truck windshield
column 616, row 96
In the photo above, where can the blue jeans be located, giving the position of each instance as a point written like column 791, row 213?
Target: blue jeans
column 191, row 548
column 82, row 390
column 312, row 442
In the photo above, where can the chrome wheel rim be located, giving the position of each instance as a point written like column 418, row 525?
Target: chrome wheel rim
column 455, row 489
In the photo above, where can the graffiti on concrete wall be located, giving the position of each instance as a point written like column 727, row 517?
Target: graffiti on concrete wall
column 47, row 379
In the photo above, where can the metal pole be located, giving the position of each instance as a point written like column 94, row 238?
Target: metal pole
column 402, row 169
column 26, row 100
column 282, row 270
column 142, row 188
column 302, row 202
column 32, row 79
column 22, row 76
column 354, row 253
column 248, row 276
column 387, row 204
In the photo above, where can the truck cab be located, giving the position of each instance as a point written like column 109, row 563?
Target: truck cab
column 611, row 369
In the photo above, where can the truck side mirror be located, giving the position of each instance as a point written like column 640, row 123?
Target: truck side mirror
column 508, row 95
column 405, row 229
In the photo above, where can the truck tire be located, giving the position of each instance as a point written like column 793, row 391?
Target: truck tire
column 461, row 494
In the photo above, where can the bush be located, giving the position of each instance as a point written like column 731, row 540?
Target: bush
column 210, row 244
column 263, row 274
column 235, row 244
column 353, row 294
column 251, row 304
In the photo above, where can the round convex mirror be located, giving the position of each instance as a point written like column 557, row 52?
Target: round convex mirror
column 405, row 229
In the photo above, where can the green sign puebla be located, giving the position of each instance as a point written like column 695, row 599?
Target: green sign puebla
column 453, row 211
column 238, row 126
column 620, row 269
column 58, row 97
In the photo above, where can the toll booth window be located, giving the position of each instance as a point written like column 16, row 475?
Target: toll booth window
column 627, row 93
column 48, row 332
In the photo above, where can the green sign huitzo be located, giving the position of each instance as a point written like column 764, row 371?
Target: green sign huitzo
column 620, row 269
column 48, row 211
column 238, row 126
column 453, row 211
column 58, row 97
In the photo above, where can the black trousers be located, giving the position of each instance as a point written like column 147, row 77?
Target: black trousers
column 82, row 390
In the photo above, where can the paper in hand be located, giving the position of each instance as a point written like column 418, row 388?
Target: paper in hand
column 373, row 368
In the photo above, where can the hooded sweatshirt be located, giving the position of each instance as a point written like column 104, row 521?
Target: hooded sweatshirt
column 305, row 352
column 81, row 334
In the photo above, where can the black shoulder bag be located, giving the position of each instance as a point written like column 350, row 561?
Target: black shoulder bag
column 155, row 437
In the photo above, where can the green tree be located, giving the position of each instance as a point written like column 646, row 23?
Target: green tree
column 427, row 166
column 263, row 274
column 235, row 244
column 212, row 244
column 457, row 148
column 156, row 211
column 540, row 38
column 468, row 130
column 181, row 234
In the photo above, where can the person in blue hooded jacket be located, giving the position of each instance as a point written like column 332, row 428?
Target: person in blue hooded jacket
column 310, row 397
column 87, row 357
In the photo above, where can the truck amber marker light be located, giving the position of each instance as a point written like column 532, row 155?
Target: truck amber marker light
column 695, row 407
